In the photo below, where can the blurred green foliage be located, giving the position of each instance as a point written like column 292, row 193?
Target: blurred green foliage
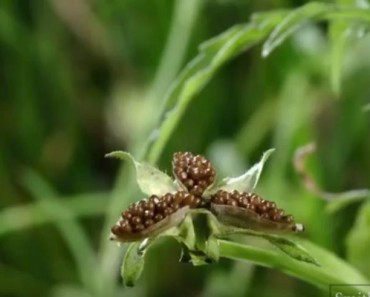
column 81, row 78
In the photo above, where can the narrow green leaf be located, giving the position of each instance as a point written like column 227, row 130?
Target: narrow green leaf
column 132, row 265
column 338, row 33
column 311, row 11
column 341, row 200
column 246, row 182
column 151, row 180
column 292, row 249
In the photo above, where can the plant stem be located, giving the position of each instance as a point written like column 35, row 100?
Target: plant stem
column 321, row 277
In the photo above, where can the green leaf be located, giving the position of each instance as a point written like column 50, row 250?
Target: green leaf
column 198, row 72
column 341, row 33
column 151, row 180
column 246, row 182
column 311, row 11
column 292, row 249
column 338, row 32
column 358, row 241
column 133, row 264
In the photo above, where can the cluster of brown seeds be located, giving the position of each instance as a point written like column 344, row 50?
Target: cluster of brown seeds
column 264, row 208
column 147, row 212
column 196, row 173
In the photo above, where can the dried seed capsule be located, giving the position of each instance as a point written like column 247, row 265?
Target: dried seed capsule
column 247, row 210
column 195, row 173
column 150, row 217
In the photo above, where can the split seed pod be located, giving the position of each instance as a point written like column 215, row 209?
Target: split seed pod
column 195, row 173
column 250, row 211
column 150, row 217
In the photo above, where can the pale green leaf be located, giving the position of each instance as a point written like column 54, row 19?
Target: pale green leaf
column 132, row 265
column 247, row 181
column 151, row 180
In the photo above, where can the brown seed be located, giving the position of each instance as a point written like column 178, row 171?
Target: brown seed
column 126, row 228
column 188, row 200
column 188, row 183
column 232, row 202
column 197, row 190
column 161, row 206
column 167, row 211
column 137, row 210
column 116, row 230
column 195, row 203
column 288, row 219
column 148, row 214
column 169, row 199
column 139, row 227
column 265, row 216
column 254, row 199
column 261, row 209
column 135, row 220
column 158, row 217
column 148, row 222
column 154, row 199
column 242, row 201
column 149, row 205
column 183, row 175
column 175, row 206
column 127, row 215
column 270, row 204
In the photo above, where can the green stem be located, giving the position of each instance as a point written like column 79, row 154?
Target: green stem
column 183, row 19
column 318, row 276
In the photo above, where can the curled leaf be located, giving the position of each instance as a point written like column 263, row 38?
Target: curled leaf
column 311, row 11
column 133, row 264
column 151, row 180
column 246, row 182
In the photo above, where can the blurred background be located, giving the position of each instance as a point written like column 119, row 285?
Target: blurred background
column 80, row 78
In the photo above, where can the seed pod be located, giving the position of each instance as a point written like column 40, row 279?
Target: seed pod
column 195, row 173
column 149, row 217
column 249, row 211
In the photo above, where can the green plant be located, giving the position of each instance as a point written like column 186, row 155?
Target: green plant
column 97, row 269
